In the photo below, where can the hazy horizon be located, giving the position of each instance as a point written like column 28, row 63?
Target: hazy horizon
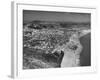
column 29, row 16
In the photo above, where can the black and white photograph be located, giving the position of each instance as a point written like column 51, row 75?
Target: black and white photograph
column 54, row 39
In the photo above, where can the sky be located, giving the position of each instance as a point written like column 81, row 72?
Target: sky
column 30, row 15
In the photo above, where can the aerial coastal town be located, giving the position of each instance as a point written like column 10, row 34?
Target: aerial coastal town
column 51, row 44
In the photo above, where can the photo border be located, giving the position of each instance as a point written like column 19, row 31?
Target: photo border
column 17, row 22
